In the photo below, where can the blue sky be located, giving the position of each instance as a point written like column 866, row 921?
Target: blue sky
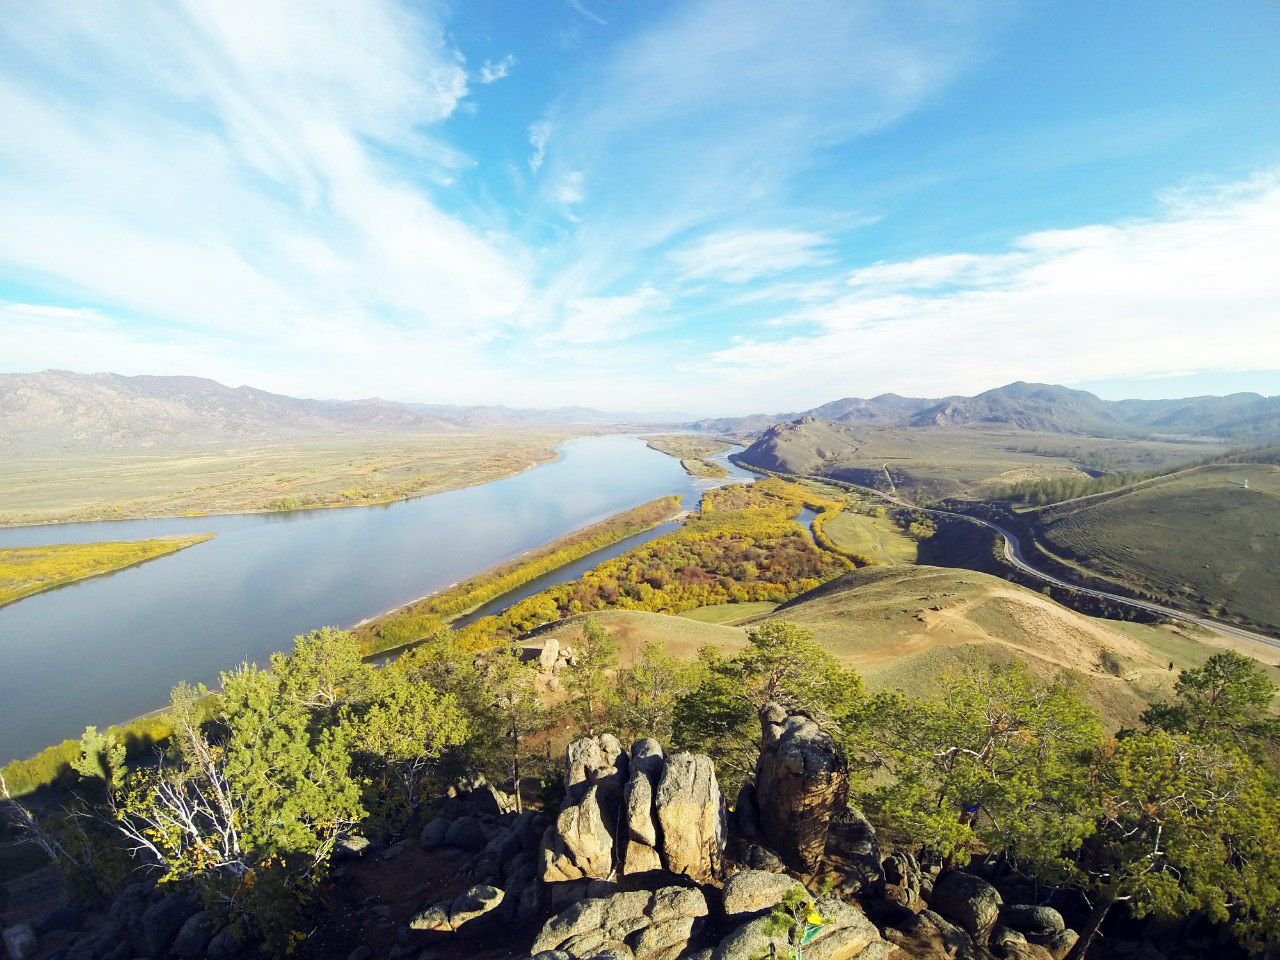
column 714, row 206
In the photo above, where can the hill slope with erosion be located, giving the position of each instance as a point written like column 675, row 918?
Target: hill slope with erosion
column 1198, row 539
column 904, row 627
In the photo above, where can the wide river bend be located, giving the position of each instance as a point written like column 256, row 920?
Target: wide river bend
column 108, row 649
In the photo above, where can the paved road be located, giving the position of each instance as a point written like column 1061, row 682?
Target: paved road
column 1013, row 553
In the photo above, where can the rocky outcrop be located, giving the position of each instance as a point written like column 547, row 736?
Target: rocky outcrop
column 648, row 925
column 691, row 817
column 845, row 934
column 450, row 916
column 635, row 813
column 750, row 893
column 581, row 843
column 640, row 844
column 801, row 783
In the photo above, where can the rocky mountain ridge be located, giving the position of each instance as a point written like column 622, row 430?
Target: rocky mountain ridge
column 1044, row 408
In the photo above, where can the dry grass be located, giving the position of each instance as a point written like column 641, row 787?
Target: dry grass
column 28, row 570
column 905, row 627
column 261, row 478
column 876, row 537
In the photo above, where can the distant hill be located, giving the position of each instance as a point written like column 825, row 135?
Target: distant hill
column 1044, row 408
column 60, row 410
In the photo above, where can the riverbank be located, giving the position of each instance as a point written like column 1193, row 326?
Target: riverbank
column 112, row 648
column 388, row 633
column 263, row 478
column 694, row 453
column 26, row 571
column 411, row 623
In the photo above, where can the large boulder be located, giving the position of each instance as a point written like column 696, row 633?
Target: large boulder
column 801, row 782
column 691, row 816
column 473, row 904
column 646, row 925
column 753, row 892
column 467, row 833
column 968, row 901
column 594, row 760
column 162, row 920
column 20, row 941
column 1038, row 924
column 580, row 843
column 845, row 934
column 194, row 936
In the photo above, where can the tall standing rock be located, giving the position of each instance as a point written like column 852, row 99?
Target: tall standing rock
column 580, row 843
column 801, row 782
column 640, row 854
column 691, row 815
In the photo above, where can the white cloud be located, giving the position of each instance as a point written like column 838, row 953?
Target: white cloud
column 1194, row 288
column 539, row 134
column 738, row 256
column 237, row 173
column 569, row 190
column 593, row 320
column 494, row 70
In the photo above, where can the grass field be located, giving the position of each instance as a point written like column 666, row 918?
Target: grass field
column 692, row 452
column 876, row 537
column 1199, row 539
column 730, row 614
column 269, row 477
column 28, row 570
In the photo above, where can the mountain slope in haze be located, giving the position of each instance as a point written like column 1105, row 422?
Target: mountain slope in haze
column 1044, row 408
column 57, row 409
column 60, row 410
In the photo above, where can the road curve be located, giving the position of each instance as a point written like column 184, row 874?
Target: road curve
column 1013, row 554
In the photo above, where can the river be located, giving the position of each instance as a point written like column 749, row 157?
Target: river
column 104, row 650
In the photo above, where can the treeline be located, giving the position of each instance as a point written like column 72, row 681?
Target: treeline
column 260, row 782
column 742, row 547
column 1058, row 489
column 1174, row 818
column 423, row 618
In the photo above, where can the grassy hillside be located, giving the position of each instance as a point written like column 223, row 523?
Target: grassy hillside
column 904, row 627
column 28, row 570
column 954, row 461
column 1199, row 539
column 57, row 488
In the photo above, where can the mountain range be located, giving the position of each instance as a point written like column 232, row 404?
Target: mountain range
column 1044, row 408
column 61, row 410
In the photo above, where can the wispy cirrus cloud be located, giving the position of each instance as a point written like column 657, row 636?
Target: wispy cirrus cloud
column 214, row 167
column 738, row 256
column 1195, row 287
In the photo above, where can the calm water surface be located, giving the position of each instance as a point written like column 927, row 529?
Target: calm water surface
column 106, row 650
